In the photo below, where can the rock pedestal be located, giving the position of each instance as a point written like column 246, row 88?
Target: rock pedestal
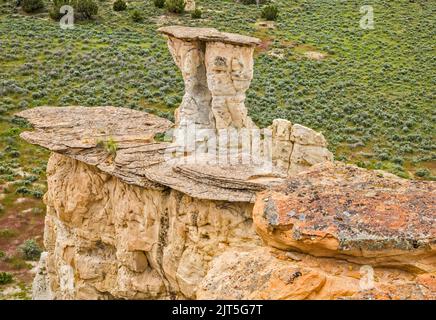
column 217, row 68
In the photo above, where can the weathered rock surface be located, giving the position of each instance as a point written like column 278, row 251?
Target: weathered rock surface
column 296, row 148
column 107, row 239
column 189, row 5
column 139, row 160
column 342, row 211
column 217, row 68
column 83, row 134
column 313, row 236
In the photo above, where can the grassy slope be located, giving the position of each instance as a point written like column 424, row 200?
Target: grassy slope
column 372, row 95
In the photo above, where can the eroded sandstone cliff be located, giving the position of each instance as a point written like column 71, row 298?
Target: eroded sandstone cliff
column 125, row 222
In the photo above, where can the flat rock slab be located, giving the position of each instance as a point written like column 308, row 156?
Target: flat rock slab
column 335, row 209
column 81, row 133
column 208, row 35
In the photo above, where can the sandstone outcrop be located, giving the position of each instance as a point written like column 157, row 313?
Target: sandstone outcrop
column 342, row 211
column 333, row 232
column 217, row 68
column 139, row 159
column 296, row 148
column 189, row 5
column 130, row 217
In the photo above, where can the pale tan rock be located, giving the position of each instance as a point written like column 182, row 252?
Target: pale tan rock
column 229, row 73
column 261, row 273
column 189, row 5
column 196, row 104
column 208, row 35
column 131, row 242
column 41, row 288
column 138, row 159
column 305, row 156
column 201, row 249
column 217, row 69
column 306, row 136
column 296, row 148
column 281, row 143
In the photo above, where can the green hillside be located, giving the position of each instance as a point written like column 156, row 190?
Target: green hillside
column 371, row 92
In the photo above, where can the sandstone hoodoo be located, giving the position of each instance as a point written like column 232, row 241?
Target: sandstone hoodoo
column 130, row 217
column 217, row 68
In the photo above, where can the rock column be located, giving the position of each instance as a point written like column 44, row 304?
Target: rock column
column 196, row 104
column 217, row 69
column 229, row 72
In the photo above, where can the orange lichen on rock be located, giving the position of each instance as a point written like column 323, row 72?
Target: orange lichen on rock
column 342, row 211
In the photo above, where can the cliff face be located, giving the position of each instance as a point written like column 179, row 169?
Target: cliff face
column 127, row 221
column 109, row 239
column 106, row 238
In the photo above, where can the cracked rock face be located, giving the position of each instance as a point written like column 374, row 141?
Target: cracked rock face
column 106, row 239
column 342, row 211
column 296, row 148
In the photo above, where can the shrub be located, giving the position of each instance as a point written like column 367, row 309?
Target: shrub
column 175, row 6
column 120, row 5
column 54, row 12
column 23, row 191
column 270, row 13
column 86, row 8
column 7, row 233
column 32, row 5
column 110, row 146
column 196, row 14
column 5, row 277
column 422, row 173
column 253, row 1
column 159, row 3
column 137, row 16
column 30, row 250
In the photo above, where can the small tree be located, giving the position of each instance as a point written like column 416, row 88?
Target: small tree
column 30, row 250
column 137, row 16
column 270, row 13
column 86, row 8
column 54, row 12
column 196, row 14
column 31, row 5
column 159, row 3
column 120, row 5
column 175, row 6
column 5, row 277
